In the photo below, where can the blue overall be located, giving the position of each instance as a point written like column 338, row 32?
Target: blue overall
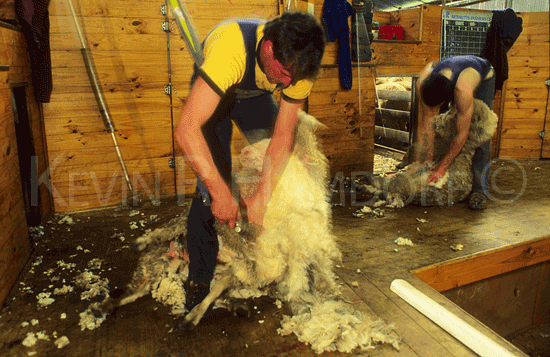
column 255, row 117
column 481, row 161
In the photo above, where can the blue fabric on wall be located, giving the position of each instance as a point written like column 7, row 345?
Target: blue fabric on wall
column 335, row 18
column 510, row 26
column 505, row 28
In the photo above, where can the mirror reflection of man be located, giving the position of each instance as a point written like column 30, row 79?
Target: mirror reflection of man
column 456, row 80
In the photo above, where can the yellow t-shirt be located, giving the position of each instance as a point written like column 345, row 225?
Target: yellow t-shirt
column 225, row 62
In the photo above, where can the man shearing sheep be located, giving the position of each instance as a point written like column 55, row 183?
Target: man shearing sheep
column 245, row 61
column 459, row 80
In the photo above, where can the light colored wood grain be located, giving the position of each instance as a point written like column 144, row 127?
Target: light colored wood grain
column 484, row 265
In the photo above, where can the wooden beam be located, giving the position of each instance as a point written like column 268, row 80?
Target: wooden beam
column 545, row 149
column 462, row 271
column 500, row 100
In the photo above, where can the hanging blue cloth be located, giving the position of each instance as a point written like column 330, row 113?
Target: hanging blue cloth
column 505, row 28
column 335, row 18
column 510, row 26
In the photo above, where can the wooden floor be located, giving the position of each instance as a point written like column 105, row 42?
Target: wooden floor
column 371, row 261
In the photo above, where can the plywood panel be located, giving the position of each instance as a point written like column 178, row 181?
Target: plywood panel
column 12, row 214
column 410, row 20
column 12, row 38
column 7, row 11
column 14, row 243
column 85, row 191
column 524, row 128
column 528, row 70
column 147, row 22
column 102, row 185
column 137, row 135
column 545, row 152
column 130, row 54
column 535, row 115
column 110, row 42
column 114, row 73
column 505, row 303
column 87, row 122
column 463, row 271
column 118, row 97
column 105, row 59
column 518, row 152
column 13, row 56
column 123, row 9
column 349, row 140
column 543, row 307
column 395, row 58
column 13, row 257
column 146, row 19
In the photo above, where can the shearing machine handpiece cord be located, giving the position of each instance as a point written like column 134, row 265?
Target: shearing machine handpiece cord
column 103, row 110
column 188, row 31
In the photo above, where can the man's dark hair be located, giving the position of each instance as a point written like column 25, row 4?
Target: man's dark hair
column 298, row 42
column 436, row 89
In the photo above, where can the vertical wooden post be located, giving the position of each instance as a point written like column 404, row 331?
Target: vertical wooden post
column 498, row 108
column 545, row 147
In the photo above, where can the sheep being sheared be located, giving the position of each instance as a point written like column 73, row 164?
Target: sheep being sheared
column 290, row 259
column 411, row 185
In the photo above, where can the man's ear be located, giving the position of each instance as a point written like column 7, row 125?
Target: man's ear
column 268, row 47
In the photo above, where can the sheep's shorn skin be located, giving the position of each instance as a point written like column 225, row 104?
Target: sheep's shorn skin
column 291, row 259
column 410, row 186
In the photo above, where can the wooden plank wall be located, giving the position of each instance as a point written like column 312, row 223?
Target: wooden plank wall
column 525, row 94
column 7, row 11
column 14, row 240
column 130, row 54
column 421, row 29
column 509, row 303
column 505, row 288
column 348, row 141
column 129, row 50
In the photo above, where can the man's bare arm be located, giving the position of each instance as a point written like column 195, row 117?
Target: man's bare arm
column 425, row 138
column 276, row 158
column 466, row 85
column 200, row 106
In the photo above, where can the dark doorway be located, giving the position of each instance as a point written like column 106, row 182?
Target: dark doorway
column 26, row 152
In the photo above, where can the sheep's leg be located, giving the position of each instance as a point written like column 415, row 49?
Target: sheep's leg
column 118, row 298
column 194, row 316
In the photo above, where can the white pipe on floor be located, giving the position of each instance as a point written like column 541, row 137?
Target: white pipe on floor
column 474, row 339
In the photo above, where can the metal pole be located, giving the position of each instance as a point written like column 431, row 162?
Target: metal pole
column 102, row 106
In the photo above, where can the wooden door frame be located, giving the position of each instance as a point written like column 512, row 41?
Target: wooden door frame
column 545, row 147
column 498, row 108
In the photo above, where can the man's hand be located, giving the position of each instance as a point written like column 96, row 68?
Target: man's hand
column 437, row 175
column 255, row 208
column 226, row 209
